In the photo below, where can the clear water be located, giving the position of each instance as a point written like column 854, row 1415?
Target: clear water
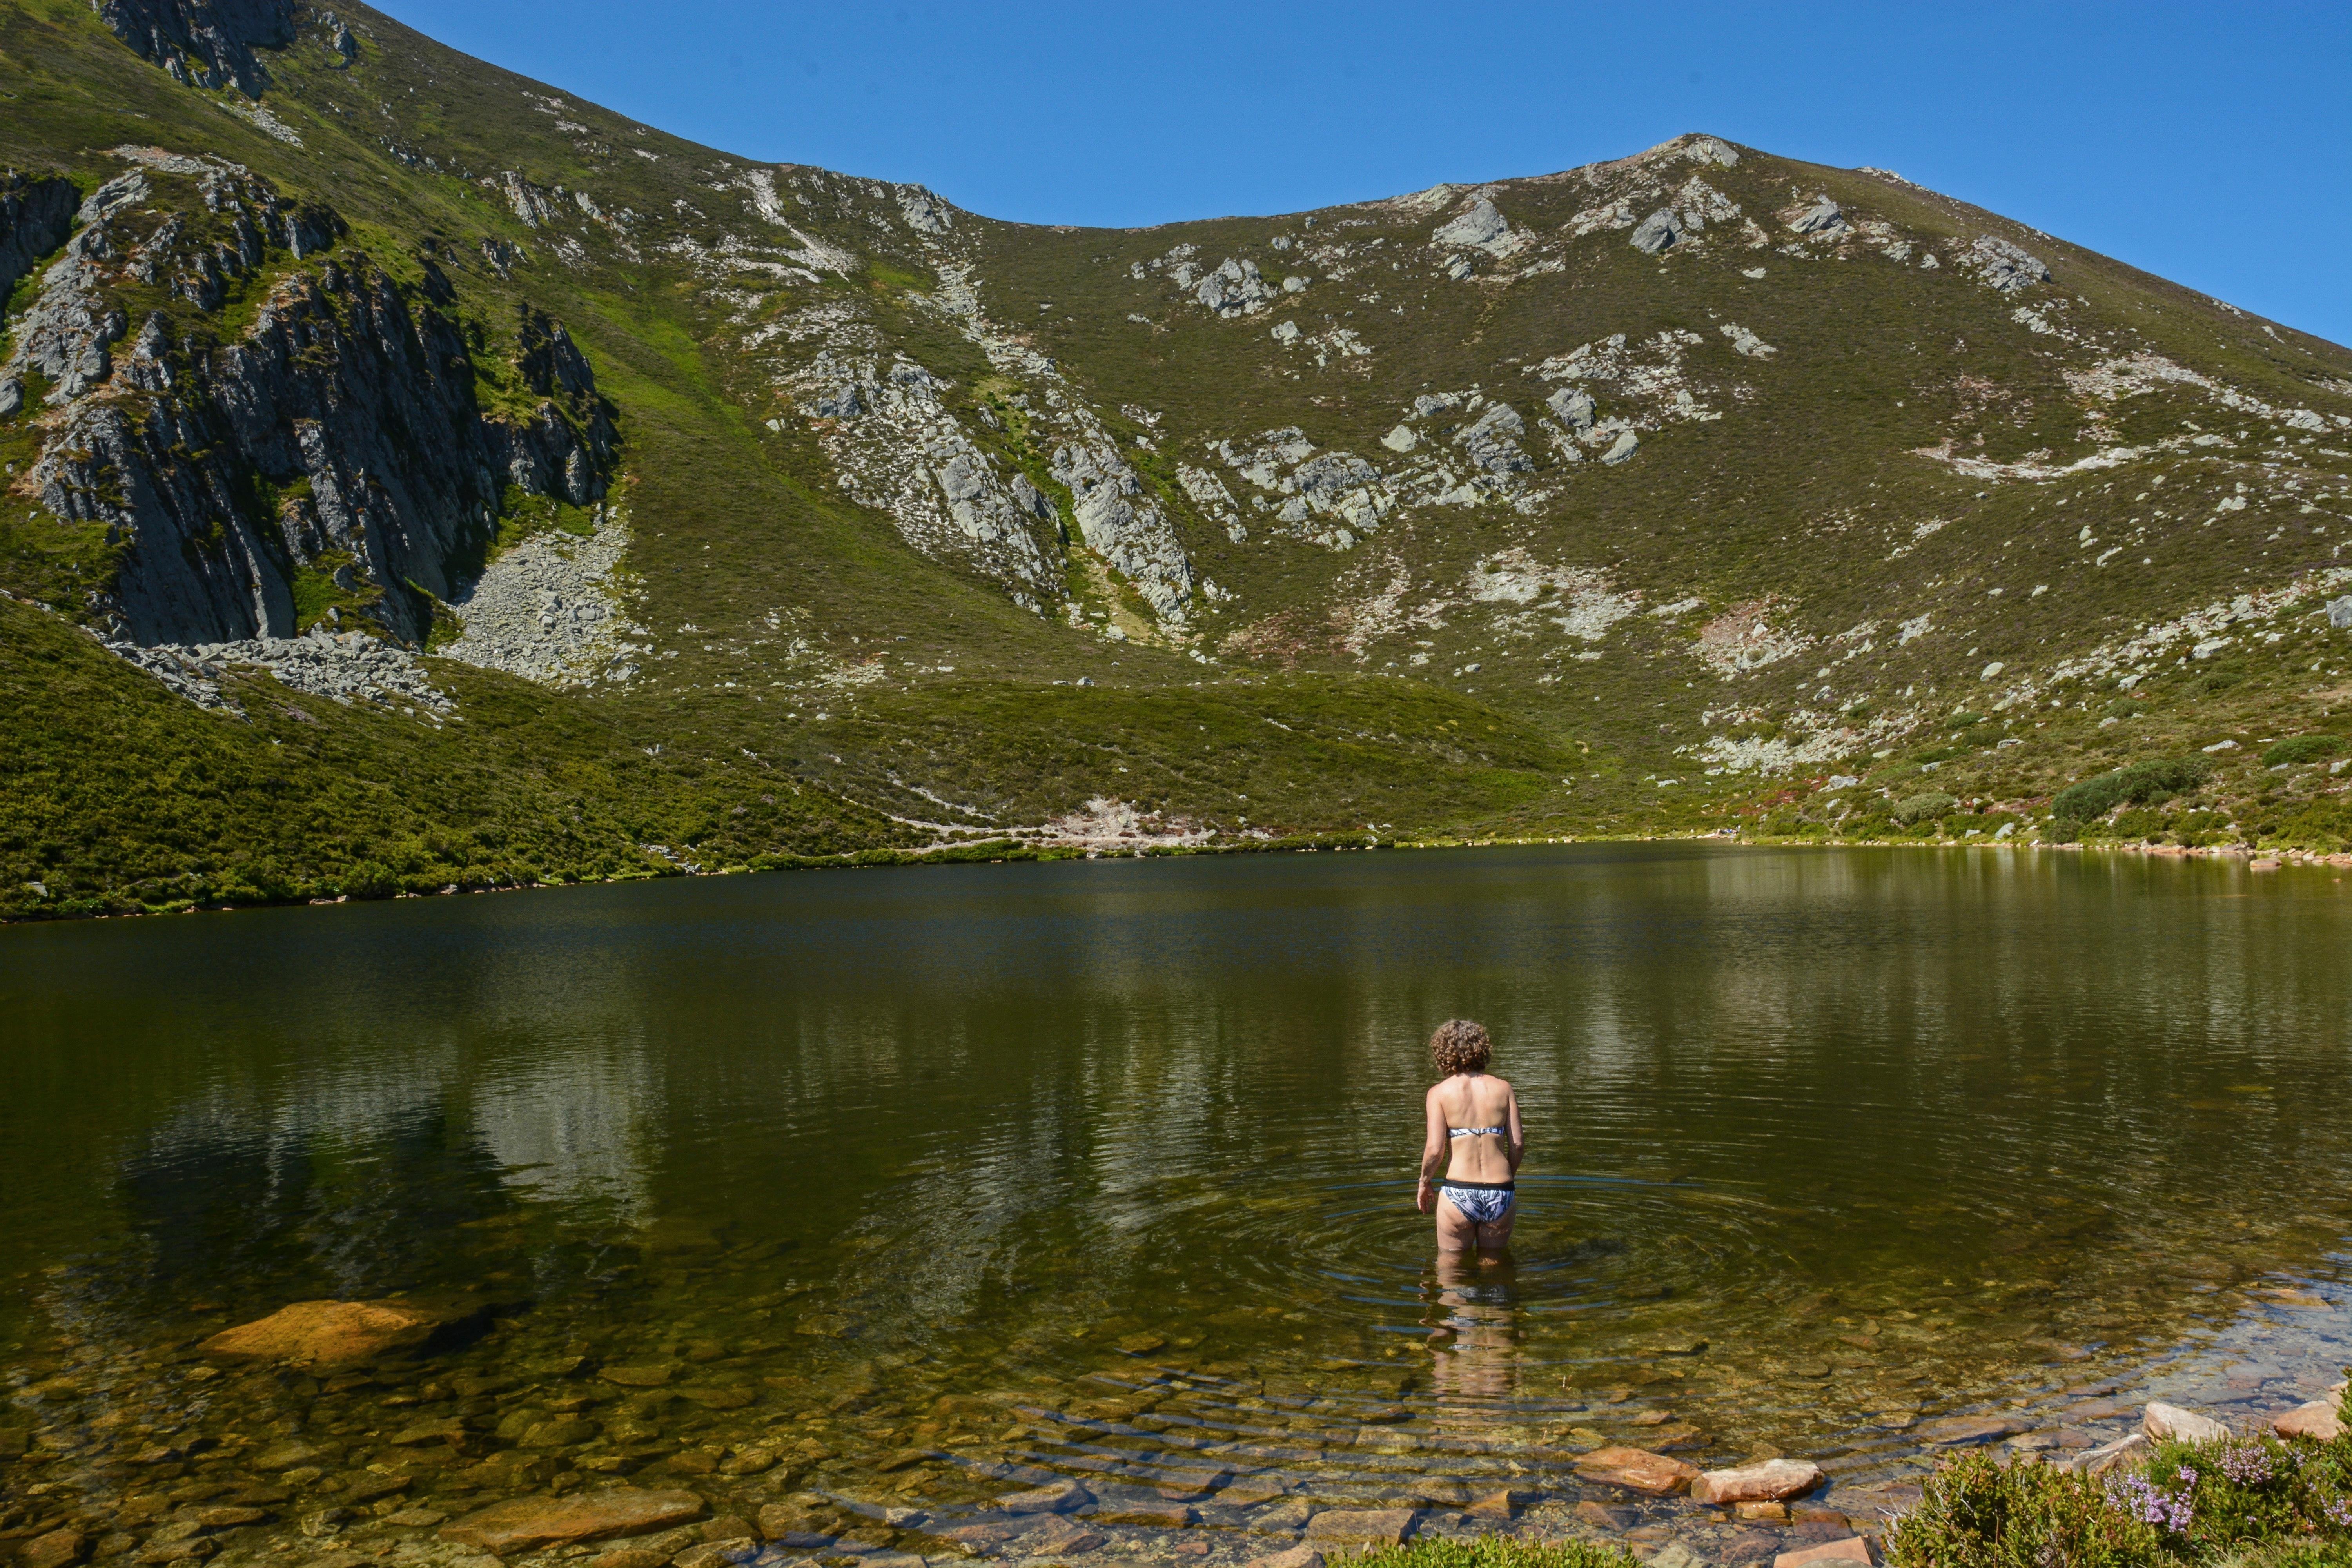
column 923, row 1184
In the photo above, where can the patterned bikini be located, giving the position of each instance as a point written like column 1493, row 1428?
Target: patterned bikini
column 1481, row 1203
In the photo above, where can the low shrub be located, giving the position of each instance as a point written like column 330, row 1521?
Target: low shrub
column 2253, row 1502
column 2303, row 749
column 2142, row 783
column 1921, row 807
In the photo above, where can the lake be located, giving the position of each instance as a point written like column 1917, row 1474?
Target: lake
column 876, row 1194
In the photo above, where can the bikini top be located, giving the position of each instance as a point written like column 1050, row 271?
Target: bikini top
column 1474, row 1131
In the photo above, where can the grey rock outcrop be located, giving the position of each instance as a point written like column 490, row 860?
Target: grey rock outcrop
column 1657, row 231
column 1480, row 226
column 2340, row 613
column 1125, row 526
column 1824, row 216
column 1234, row 288
column 36, row 214
column 338, row 437
column 896, row 445
column 1491, row 441
column 1573, row 407
column 2003, row 267
column 924, row 213
column 203, row 43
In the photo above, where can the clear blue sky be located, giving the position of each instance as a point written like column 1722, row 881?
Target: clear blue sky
column 2208, row 143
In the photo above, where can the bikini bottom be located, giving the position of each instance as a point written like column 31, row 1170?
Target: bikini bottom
column 1481, row 1203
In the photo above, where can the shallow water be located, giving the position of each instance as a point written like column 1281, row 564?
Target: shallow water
column 1117, row 1157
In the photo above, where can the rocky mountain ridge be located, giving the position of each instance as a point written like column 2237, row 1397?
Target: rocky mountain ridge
column 1694, row 481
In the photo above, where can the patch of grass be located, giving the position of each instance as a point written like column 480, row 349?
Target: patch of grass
column 2303, row 749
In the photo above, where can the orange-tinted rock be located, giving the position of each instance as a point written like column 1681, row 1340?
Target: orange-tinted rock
column 316, row 1335
column 57, row 1549
column 1637, row 1469
column 1296, row 1557
column 1852, row 1548
column 530, row 1523
column 1499, row 1505
column 2319, row 1420
column 1768, row 1481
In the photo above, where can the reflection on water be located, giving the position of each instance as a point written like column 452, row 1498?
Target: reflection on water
column 890, row 1190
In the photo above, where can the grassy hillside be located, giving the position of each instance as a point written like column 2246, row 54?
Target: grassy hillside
column 1897, row 550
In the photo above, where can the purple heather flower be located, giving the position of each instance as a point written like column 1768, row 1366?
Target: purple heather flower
column 2248, row 1463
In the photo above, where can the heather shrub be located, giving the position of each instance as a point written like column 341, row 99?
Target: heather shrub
column 2142, row 783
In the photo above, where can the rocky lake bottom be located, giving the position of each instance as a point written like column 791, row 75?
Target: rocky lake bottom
column 1064, row 1213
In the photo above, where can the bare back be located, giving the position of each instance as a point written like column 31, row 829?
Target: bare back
column 1486, row 1103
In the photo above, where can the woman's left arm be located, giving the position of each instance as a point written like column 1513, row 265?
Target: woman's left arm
column 1519, row 1135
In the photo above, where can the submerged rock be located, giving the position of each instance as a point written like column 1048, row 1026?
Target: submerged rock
column 324, row 1334
column 531, row 1523
column 1638, row 1469
column 1957, row 1431
column 1381, row 1526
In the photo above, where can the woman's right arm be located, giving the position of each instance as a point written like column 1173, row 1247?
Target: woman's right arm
column 1434, row 1148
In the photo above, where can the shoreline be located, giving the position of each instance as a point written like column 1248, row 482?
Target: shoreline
column 1006, row 851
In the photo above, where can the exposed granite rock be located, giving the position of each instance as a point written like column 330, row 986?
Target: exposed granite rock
column 1824, row 216
column 1574, row 407
column 1492, row 440
column 203, row 43
column 1125, row 526
column 925, row 213
column 36, row 214
column 896, row 445
column 1479, row 226
column 2002, row 265
column 1657, row 231
column 1234, row 288
column 347, row 407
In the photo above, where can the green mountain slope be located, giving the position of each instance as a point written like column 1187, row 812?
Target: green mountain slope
column 419, row 477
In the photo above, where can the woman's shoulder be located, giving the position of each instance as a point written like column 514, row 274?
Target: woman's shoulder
column 1502, row 1083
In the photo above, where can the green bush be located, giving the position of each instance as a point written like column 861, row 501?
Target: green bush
column 1920, row 808
column 2249, row 1503
column 2142, row 783
column 1496, row 1552
column 1980, row 1513
column 2302, row 748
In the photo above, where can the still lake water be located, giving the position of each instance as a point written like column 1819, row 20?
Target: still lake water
column 1824, row 1146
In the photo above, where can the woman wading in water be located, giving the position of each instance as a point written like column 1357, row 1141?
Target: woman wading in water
column 1474, row 1138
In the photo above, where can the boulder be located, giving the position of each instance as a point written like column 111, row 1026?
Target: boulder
column 1623, row 448
column 320, row 1335
column 1574, row 406
column 2320, row 1421
column 1481, row 224
column 2340, row 613
column 1636, row 1468
column 1657, row 231
column 1771, row 1481
column 1505, row 1504
column 2162, row 1421
column 1371, row 1526
column 531, row 1523
column 1824, row 216
column 1296, row 1557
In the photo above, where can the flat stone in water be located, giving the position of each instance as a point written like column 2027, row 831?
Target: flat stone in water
column 321, row 1336
column 1381, row 1526
column 1636, row 1469
column 530, row 1523
column 1956, row 1431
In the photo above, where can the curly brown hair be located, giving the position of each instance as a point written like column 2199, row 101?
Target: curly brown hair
column 1459, row 1045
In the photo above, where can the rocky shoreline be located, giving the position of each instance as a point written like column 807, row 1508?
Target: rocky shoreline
column 576, row 1463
